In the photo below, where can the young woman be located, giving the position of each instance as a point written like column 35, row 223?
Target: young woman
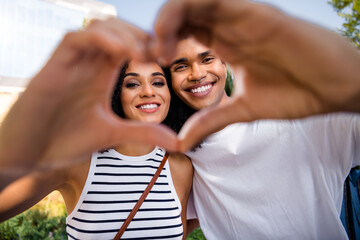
column 99, row 194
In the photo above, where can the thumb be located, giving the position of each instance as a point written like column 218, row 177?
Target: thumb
column 144, row 133
column 208, row 121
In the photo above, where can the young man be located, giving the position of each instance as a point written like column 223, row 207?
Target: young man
column 287, row 69
column 267, row 179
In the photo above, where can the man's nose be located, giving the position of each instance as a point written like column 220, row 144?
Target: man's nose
column 197, row 73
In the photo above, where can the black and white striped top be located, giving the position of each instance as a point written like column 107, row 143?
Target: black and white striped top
column 114, row 184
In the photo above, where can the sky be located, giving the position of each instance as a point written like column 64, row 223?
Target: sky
column 143, row 12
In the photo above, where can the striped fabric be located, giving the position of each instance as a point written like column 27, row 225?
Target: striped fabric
column 114, row 184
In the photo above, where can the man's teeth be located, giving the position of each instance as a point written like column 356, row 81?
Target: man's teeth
column 201, row 89
column 148, row 106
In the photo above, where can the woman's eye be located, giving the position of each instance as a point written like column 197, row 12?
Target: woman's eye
column 131, row 85
column 159, row 84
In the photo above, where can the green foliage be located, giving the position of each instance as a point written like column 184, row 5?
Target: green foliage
column 47, row 220
column 85, row 23
column 229, row 81
column 350, row 11
column 34, row 224
column 37, row 224
column 7, row 231
column 196, row 235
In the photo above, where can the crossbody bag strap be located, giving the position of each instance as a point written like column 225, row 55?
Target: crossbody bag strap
column 141, row 199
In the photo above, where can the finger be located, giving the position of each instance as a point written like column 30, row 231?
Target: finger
column 98, row 75
column 70, row 55
column 114, row 37
column 134, row 38
column 144, row 133
column 74, row 44
column 208, row 121
column 179, row 19
column 168, row 23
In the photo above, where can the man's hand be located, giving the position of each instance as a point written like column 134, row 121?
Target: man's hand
column 65, row 113
column 284, row 67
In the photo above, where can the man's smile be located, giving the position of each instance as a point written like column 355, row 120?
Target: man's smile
column 200, row 90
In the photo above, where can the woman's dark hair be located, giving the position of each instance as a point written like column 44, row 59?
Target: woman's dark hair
column 179, row 112
column 115, row 100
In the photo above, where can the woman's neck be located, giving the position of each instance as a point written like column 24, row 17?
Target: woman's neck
column 134, row 149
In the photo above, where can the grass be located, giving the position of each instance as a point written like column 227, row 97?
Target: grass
column 47, row 220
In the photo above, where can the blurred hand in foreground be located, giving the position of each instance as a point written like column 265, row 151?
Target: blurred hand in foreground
column 65, row 114
column 284, row 67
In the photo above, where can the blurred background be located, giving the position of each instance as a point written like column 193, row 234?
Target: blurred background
column 30, row 30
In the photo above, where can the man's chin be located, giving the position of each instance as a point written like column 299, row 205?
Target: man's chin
column 199, row 105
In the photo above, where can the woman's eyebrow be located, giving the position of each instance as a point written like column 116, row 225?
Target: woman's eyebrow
column 131, row 74
column 157, row 74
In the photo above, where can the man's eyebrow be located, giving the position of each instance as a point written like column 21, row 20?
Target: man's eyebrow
column 131, row 74
column 157, row 74
column 180, row 60
column 203, row 54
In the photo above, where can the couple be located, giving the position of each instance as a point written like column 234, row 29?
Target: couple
column 115, row 178
column 100, row 193
column 268, row 179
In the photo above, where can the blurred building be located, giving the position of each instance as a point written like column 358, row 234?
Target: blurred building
column 30, row 29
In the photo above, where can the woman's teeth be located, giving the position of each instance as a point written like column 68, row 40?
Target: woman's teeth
column 148, row 106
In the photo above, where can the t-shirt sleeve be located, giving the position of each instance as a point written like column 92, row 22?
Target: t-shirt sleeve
column 356, row 127
column 191, row 212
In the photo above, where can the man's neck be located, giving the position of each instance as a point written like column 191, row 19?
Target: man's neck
column 224, row 100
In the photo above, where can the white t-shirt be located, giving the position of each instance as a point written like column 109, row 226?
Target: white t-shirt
column 276, row 179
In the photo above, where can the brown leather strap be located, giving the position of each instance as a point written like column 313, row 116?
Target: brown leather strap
column 141, row 199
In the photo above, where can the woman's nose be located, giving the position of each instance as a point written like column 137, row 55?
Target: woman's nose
column 147, row 91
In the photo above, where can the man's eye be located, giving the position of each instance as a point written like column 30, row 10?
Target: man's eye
column 208, row 60
column 179, row 67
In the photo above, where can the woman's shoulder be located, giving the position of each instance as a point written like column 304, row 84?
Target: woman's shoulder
column 179, row 157
column 181, row 161
column 181, row 173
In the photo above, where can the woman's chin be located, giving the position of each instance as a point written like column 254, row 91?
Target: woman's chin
column 151, row 120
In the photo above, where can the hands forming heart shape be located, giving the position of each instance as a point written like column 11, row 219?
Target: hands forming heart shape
column 283, row 69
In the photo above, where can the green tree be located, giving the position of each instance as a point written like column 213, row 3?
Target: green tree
column 350, row 11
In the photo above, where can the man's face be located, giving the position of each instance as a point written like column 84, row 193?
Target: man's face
column 198, row 75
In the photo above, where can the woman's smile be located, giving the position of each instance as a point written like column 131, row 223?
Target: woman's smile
column 149, row 107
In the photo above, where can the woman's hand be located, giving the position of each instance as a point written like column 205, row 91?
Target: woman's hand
column 65, row 113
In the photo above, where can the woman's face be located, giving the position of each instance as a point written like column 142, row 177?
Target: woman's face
column 145, row 95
